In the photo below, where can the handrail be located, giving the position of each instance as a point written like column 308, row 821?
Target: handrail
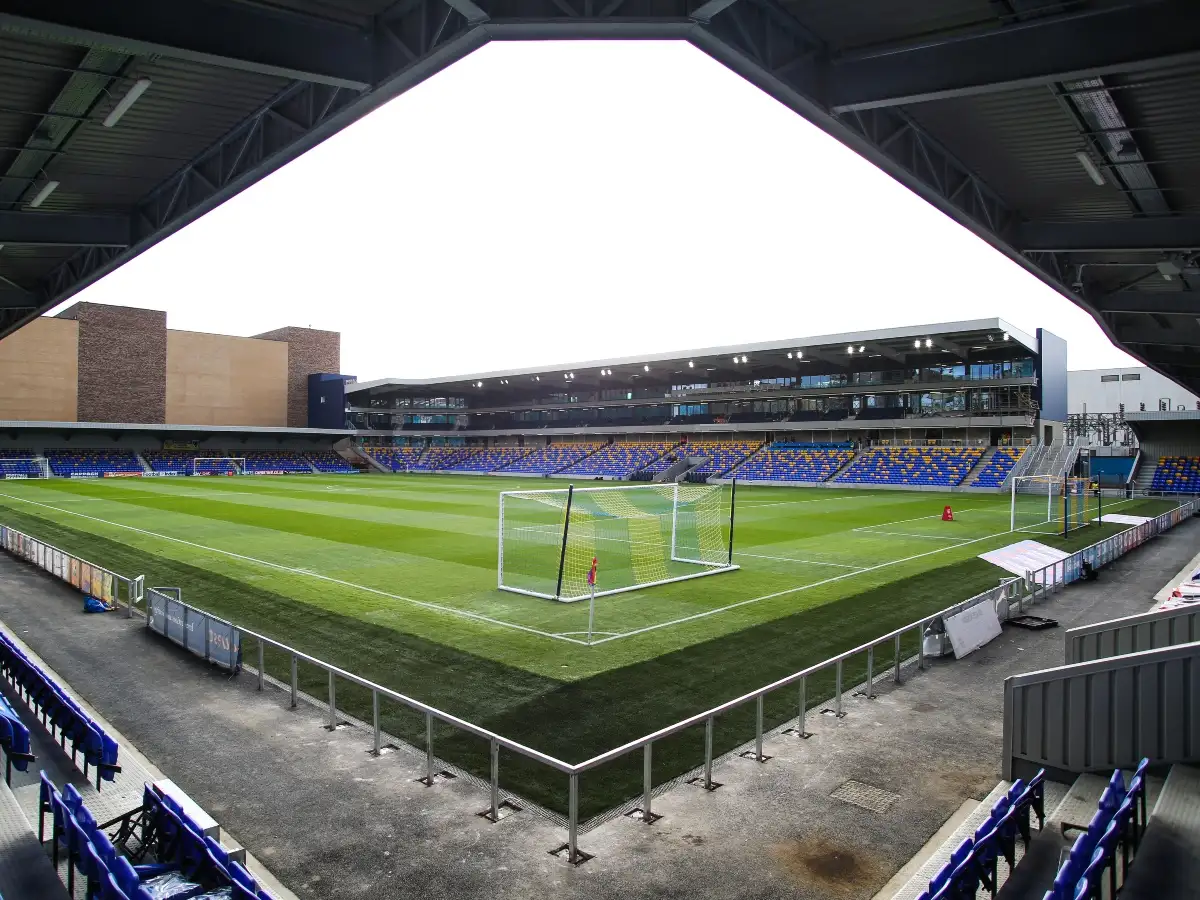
column 1034, row 584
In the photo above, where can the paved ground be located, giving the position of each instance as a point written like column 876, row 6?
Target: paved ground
column 332, row 821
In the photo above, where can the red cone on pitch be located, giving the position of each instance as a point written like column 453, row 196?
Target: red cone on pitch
column 947, row 514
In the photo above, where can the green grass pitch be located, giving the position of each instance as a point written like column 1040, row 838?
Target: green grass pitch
column 394, row 578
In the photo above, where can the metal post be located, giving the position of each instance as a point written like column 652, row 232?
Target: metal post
column 562, row 555
column 647, row 782
column 375, row 718
column 429, row 749
column 262, row 664
column 332, row 703
column 800, row 730
column 573, row 818
column 206, row 637
column 495, row 748
column 837, row 702
column 757, row 731
column 896, row 677
column 921, row 646
column 708, row 744
column 871, row 673
column 295, row 682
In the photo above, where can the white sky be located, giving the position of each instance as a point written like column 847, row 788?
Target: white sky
column 551, row 202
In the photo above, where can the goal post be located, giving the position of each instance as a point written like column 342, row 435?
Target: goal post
column 641, row 535
column 1076, row 496
column 219, row 465
column 24, row 467
column 1032, row 504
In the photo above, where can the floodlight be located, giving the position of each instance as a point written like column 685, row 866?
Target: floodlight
column 862, row 349
column 131, row 97
column 849, row 349
column 40, row 197
column 645, row 368
column 928, row 343
column 1089, row 166
column 917, row 343
column 691, row 365
column 735, row 360
column 799, row 354
column 743, row 357
column 789, row 354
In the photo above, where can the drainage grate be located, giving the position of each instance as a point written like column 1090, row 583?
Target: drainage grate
column 864, row 795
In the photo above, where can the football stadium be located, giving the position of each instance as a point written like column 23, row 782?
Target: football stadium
column 868, row 614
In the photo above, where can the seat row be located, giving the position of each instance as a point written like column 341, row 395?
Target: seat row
column 781, row 462
column 973, row 863
column 14, row 741
column 60, row 713
column 1177, row 474
column 188, row 864
column 1116, row 829
column 996, row 469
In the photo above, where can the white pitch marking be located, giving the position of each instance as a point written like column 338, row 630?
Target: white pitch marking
column 811, row 562
column 262, row 562
column 909, row 534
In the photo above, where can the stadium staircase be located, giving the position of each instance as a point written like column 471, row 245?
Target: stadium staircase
column 1143, row 479
column 146, row 467
column 978, row 468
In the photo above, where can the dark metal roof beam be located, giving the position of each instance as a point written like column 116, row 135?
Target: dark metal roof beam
column 63, row 229
column 1175, row 303
column 1153, row 233
column 223, row 33
column 1037, row 51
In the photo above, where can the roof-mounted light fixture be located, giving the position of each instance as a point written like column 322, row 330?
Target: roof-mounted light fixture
column 743, row 357
column 1006, row 336
column 850, row 350
column 917, row 343
column 136, row 90
column 691, row 364
column 40, row 197
column 1089, row 166
column 645, row 368
column 928, row 343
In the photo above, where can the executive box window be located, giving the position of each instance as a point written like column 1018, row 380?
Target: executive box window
column 1105, row 379
column 1131, row 376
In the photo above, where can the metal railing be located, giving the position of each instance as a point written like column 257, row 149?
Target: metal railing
column 1133, row 634
column 76, row 571
column 1009, row 595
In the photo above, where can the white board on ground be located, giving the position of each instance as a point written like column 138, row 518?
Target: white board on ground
column 972, row 628
column 1122, row 519
column 1023, row 556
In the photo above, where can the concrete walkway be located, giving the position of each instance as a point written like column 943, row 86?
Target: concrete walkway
column 330, row 820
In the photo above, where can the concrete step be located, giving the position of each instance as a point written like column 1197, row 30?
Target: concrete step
column 1167, row 866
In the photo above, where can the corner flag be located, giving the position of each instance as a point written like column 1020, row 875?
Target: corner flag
column 591, row 576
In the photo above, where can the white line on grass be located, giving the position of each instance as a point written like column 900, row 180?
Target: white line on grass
column 811, row 562
column 909, row 534
column 914, row 519
column 803, row 587
column 753, row 504
column 294, row 571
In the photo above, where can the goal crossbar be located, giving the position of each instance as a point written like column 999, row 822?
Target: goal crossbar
column 639, row 535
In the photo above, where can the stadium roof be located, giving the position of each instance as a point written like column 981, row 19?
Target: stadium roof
column 894, row 344
column 1061, row 131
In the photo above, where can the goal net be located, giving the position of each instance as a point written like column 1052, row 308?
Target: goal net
column 1076, row 496
column 1033, row 506
column 219, row 465
column 640, row 535
column 17, row 467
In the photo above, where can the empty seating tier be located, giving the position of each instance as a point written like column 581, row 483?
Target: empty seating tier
column 790, row 462
column 938, row 466
column 620, row 460
column 93, row 463
column 549, row 460
column 398, row 459
column 491, row 460
column 996, row 470
column 179, row 461
column 274, row 462
column 438, row 458
column 88, row 741
column 722, row 455
column 329, row 462
column 1177, row 474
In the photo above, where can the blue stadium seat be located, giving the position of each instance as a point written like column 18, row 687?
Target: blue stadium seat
column 328, row 462
column 552, row 459
column 93, row 463
column 1177, row 474
column 996, row 470
column 795, row 462
column 918, row 466
column 490, row 460
column 620, row 459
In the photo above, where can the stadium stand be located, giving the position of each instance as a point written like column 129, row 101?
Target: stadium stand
column 973, row 863
column 436, row 458
column 14, row 741
column 1177, row 474
column 398, row 459
column 60, row 713
column 941, row 466
column 549, row 460
column 81, row 463
column 996, row 469
column 794, row 462
column 179, row 461
column 185, row 862
column 621, row 459
column 326, row 461
column 722, row 455
column 491, row 460
column 267, row 462
column 1117, row 826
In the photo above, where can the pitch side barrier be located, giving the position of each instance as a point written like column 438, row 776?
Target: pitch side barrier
column 1009, row 598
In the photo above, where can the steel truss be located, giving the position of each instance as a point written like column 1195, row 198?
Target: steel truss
column 758, row 39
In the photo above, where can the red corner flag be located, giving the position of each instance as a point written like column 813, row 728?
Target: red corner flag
column 947, row 514
column 592, row 573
